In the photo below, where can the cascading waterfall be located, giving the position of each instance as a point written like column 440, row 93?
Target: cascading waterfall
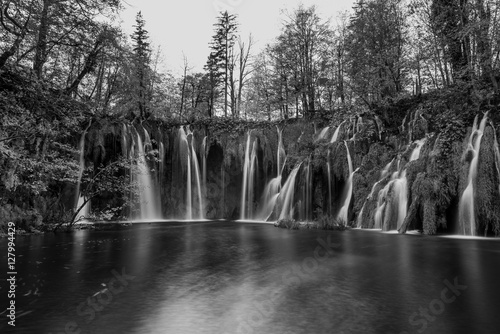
column 204, row 164
column 80, row 199
column 246, row 177
column 399, row 186
column 185, row 157
column 251, row 179
column 281, row 155
column 196, row 168
column 189, row 160
column 322, row 134
column 466, row 204
column 335, row 136
column 344, row 210
column 383, row 175
column 328, row 169
column 162, row 161
column 378, row 121
column 286, row 195
column 308, row 190
column 382, row 203
column 146, row 191
column 222, row 207
column 273, row 187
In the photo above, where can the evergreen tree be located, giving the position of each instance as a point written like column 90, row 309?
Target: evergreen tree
column 142, row 60
column 219, row 61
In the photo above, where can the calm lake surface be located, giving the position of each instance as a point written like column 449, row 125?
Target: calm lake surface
column 226, row 277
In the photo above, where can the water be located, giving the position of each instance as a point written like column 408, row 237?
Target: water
column 322, row 134
column 383, row 175
column 467, row 214
column 392, row 201
column 335, row 136
column 147, row 198
column 201, row 210
column 249, row 170
column 329, row 172
column 343, row 214
column 189, row 162
column 222, row 277
column 79, row 198
column 286, row 195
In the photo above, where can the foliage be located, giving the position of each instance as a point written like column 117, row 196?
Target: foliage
column 112, row 178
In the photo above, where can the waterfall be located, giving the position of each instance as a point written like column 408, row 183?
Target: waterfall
column 194, row 160
column 322, row 134
column 382, row 203
column 281, row 155
column 383, row 175
column 223, row 188
column 344, row 210
column 378, row 121
column 79, row 198
column 185, row 158
column 328, row 169
column 246, row 171
column 146, row 191
column 162, row 160
column 189, row 162
column 251, row 179
column 204, row 164
column 399, row 194
column 308, row 190
column 466, row 204
column 273, row 187
column 271, row 193
column 336, row 133
column 249, row 171
column 287, row 194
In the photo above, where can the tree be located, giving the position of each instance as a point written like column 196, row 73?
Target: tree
column 219, row 62
column 111, row 178
column 244, row 55
column 299, row 51
column 63, row 24
column 142, row 60
column 14, row 27
column 184, row 83
column 376, row 46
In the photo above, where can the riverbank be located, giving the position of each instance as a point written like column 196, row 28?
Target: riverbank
column 292, row 224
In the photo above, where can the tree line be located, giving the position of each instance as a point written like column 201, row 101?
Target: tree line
column 378, row 52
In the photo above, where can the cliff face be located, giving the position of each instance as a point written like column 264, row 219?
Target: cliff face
column 427, row 166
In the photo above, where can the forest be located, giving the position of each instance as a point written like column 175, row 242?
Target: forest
column 394, row 70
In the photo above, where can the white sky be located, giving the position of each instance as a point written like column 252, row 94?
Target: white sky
column 186, row 26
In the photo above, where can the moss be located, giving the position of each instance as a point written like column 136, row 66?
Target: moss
column 487, row 196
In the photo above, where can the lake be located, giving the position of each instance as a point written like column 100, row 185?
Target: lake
column 227, row 277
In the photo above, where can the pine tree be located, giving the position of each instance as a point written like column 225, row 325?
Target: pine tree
column 219, row 61
column 142, row 59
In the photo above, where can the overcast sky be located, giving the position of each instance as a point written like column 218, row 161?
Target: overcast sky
column 186, row 26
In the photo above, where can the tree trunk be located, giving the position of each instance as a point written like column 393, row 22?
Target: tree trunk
column 41, row 45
